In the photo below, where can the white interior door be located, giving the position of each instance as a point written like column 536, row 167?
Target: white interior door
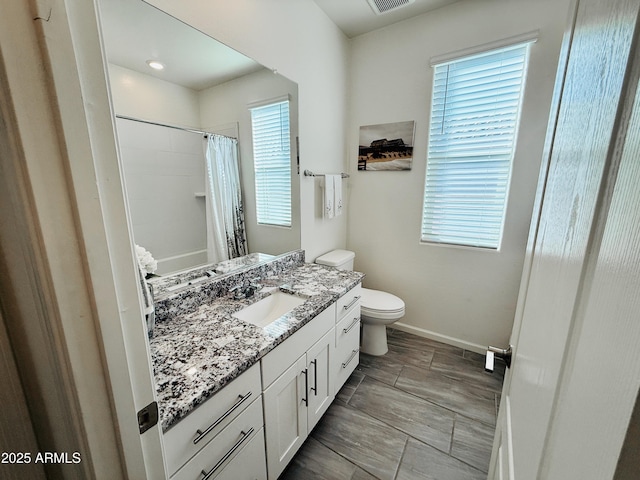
column 585, row 232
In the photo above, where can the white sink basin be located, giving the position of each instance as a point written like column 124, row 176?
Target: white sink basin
column 270, row 308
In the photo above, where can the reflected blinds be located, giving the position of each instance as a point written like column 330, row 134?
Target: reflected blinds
column 272, row 163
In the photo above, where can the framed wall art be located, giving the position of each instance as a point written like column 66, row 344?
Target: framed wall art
column 387, row 146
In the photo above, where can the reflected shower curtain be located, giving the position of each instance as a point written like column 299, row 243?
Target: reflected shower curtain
column 226, row 236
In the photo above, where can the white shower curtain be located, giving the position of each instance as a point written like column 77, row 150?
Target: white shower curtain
column 226, row 236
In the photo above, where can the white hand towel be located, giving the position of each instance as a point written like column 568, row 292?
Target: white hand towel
column 329, row 205
column 337, row 194
column 147, row 303
column 146, row 293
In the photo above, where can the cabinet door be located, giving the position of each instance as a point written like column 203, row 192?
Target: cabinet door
column 321, row 382
column 285, row 416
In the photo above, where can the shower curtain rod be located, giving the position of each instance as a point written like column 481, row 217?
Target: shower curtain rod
column 201, row 132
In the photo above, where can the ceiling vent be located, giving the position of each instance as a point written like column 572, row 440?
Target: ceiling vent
column 383, row 6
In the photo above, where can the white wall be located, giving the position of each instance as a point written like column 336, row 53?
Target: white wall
column 296, row 38
column 147, row 98
column 221, row 109
column 464, row 294
column 163, row 169
column 461, row 295
column 228, row 104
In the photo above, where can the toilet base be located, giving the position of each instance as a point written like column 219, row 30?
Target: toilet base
column 374, row 339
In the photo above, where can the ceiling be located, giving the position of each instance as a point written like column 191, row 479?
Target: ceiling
column 355, row 17
column 135, row 32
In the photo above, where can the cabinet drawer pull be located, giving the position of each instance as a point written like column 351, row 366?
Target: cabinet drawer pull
column 306, row 386
column 226, row 456
column 314, row 389
column 201, row 434
column 353, row 324
column 353, row 354
column 352, row 303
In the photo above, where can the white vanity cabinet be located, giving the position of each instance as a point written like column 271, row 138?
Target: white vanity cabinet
column 298, row 388
column 253, row 427
column 347, row 341
column 217, row 431
column 230, row 446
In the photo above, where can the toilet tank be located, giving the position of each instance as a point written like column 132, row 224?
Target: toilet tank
column 341, row 259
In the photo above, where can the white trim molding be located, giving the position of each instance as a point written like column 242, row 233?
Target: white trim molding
column 456, row 342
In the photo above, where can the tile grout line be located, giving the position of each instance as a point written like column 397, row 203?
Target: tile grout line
column 345, row 458
column 404, row 363
column 397, row 429
column 453, row 430
column 410, row 436
column 404, row 449
column 431, row 401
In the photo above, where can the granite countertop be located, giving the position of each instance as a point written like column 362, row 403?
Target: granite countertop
column 196, row 354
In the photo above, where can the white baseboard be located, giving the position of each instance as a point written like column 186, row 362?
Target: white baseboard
column 456, row 342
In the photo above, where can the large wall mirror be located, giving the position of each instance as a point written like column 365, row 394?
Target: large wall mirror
column 161, row 115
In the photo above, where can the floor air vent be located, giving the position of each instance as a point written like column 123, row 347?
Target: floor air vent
column 384, row 6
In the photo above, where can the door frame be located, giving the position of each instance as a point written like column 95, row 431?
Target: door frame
column 69, row 269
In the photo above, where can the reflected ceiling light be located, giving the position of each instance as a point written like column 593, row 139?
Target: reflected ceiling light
column 155, row 64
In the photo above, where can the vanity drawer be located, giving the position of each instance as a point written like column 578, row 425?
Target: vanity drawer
column 250, row 463
column 183, row 440
column 347, row 356
column 350, row 322
column 347, row 301
column 220, row 451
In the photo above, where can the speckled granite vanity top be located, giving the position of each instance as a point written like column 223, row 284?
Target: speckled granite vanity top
column 197, row 353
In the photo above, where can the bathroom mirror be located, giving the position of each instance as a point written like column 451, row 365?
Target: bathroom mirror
column 161, row 115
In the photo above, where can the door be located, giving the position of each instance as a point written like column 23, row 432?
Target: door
column 321, row 382
column 285, row 416
column 568, row 398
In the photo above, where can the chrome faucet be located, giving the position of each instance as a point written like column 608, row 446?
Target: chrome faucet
column 243, row 290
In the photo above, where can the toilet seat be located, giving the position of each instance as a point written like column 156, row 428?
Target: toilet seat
column 381, row 305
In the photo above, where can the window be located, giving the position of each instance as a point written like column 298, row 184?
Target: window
column 272, row 163
column 474, row 117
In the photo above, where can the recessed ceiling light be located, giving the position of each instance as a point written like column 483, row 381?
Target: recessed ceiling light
column 155, row 64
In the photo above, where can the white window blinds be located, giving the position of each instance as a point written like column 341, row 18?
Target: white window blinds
column 272, row 163
column 474, row 116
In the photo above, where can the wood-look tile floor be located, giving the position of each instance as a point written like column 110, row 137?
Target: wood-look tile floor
column 425, row 410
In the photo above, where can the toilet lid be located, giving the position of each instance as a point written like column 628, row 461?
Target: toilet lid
column 377, row 301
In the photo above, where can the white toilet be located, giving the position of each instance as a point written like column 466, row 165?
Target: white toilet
column 377, row 309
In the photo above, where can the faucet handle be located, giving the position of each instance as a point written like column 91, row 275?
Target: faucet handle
column 238, row 291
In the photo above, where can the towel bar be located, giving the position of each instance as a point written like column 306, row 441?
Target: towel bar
column 309, row 173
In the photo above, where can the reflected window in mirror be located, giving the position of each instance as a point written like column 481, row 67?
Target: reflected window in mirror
column 164, row 169
column 272, row 162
